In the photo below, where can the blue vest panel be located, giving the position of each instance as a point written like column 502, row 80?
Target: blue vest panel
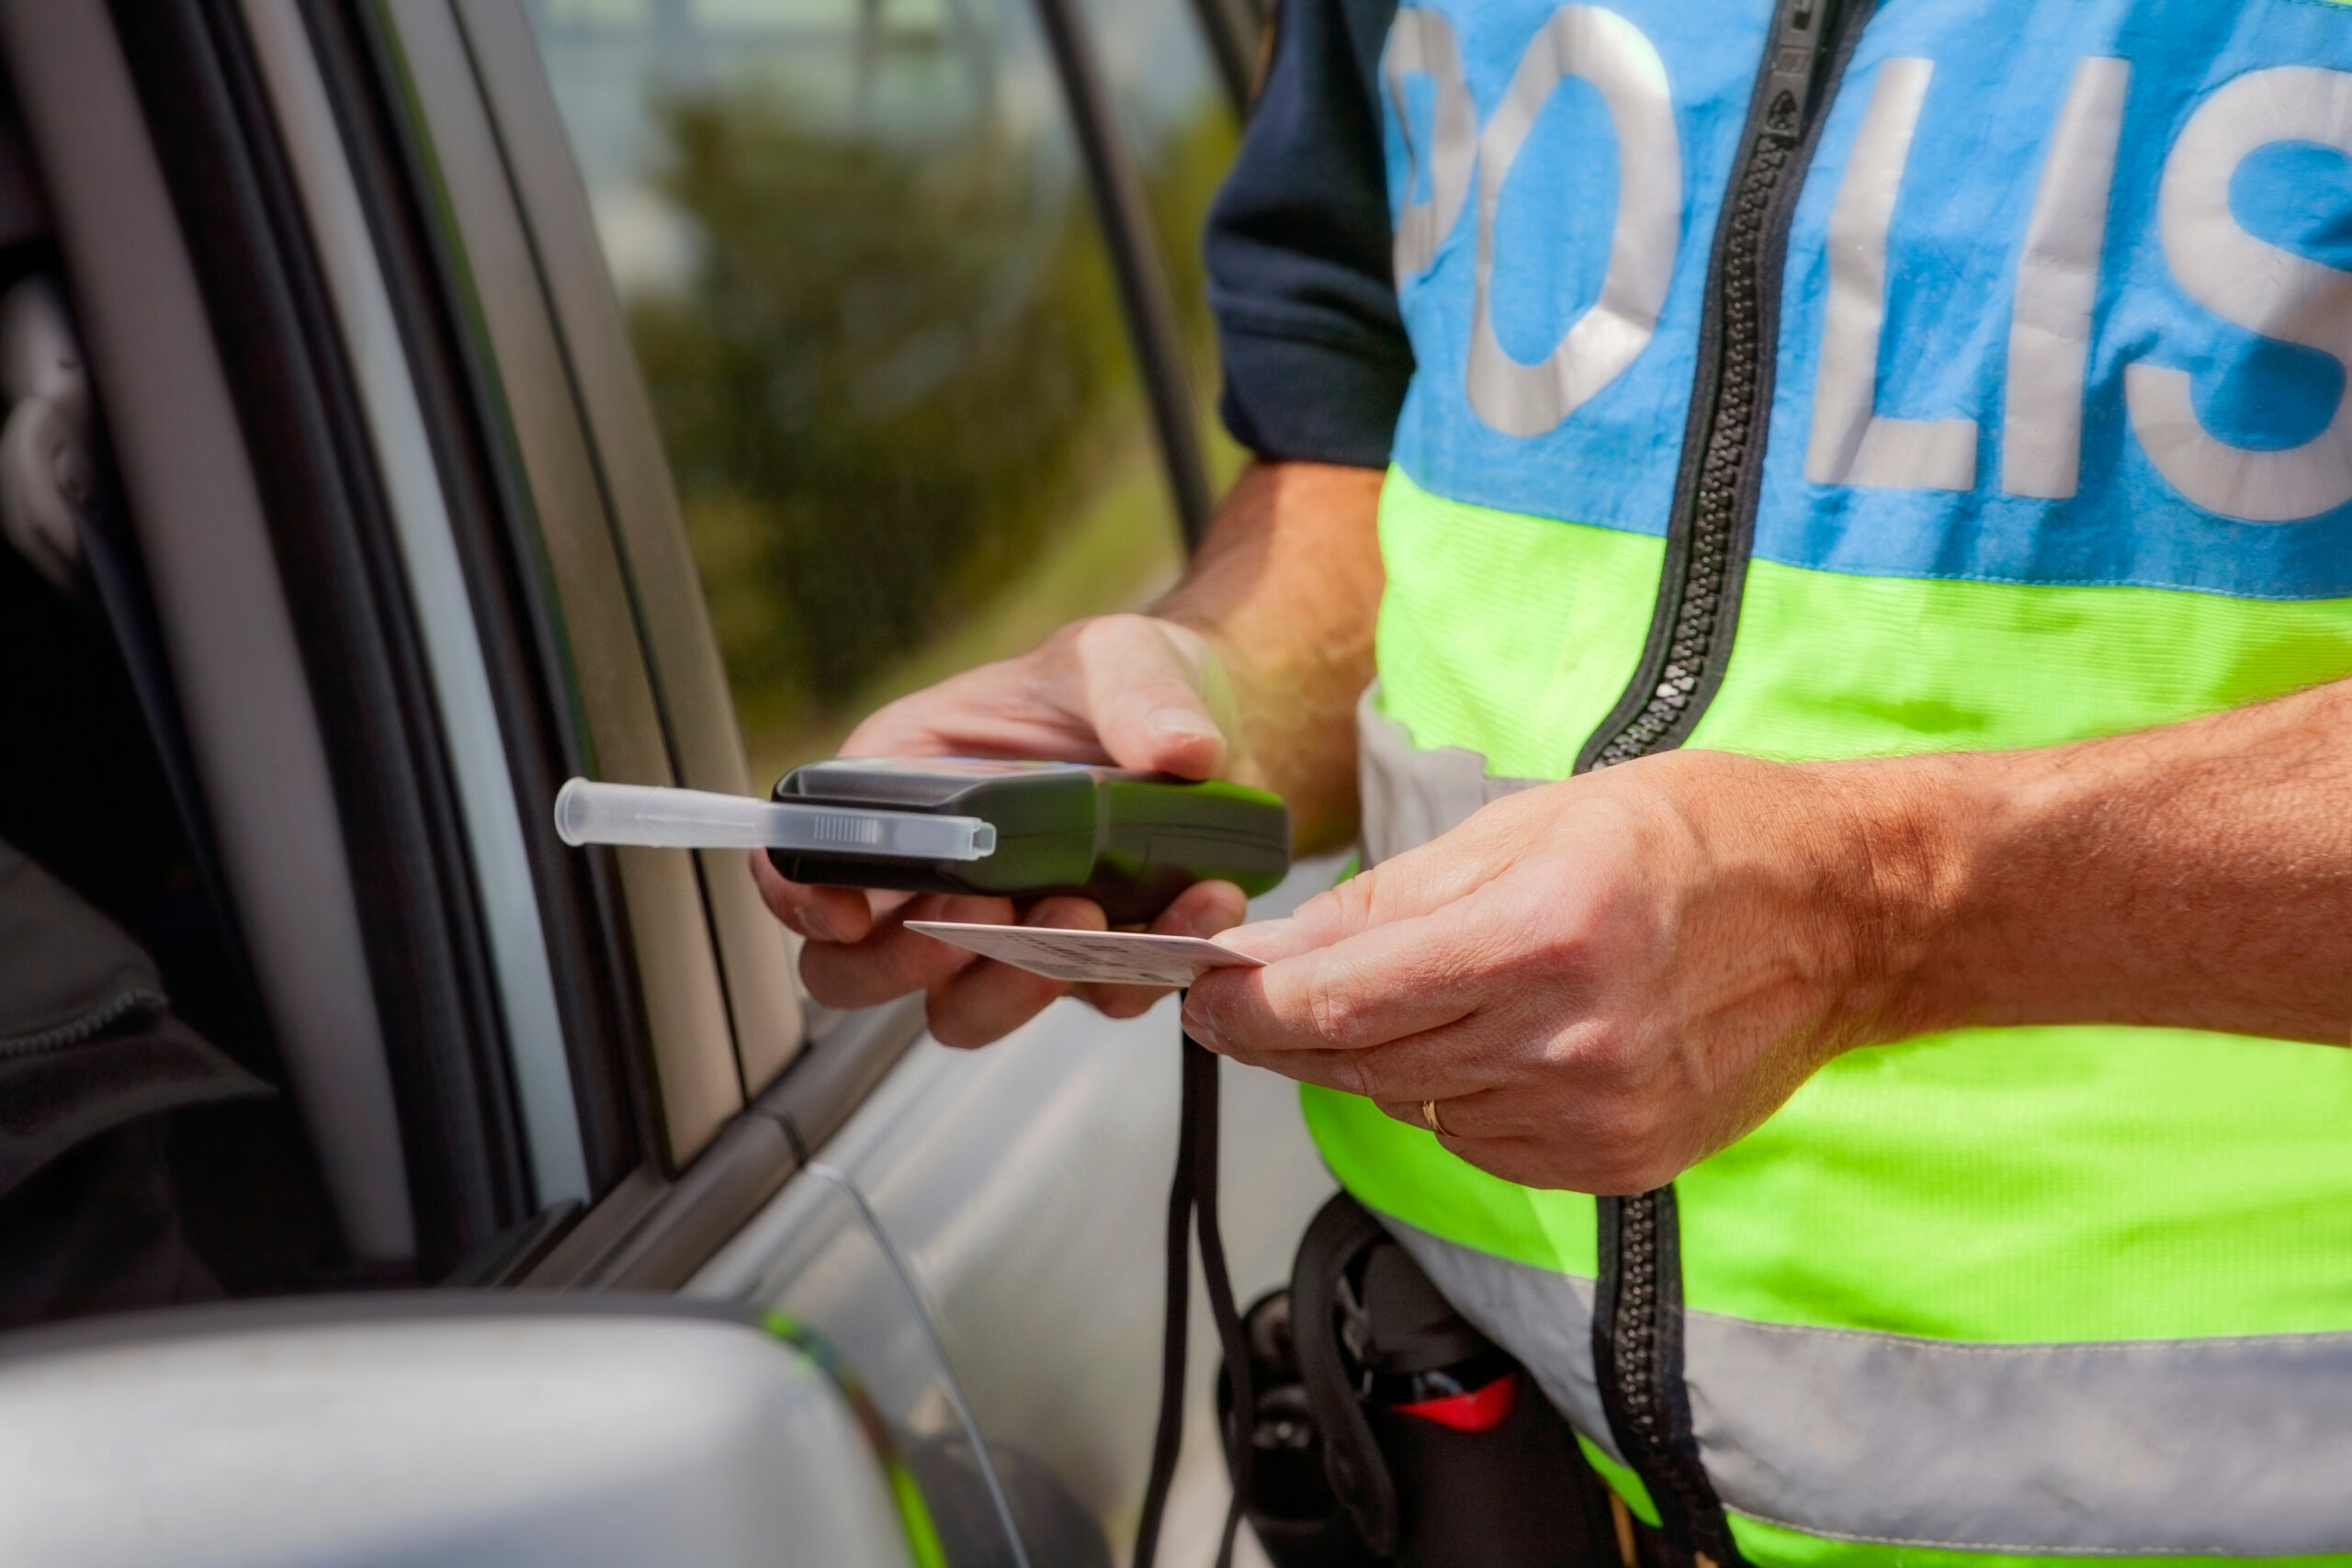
column 2067, row 298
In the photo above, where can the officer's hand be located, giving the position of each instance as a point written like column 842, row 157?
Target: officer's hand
column 1126, row 689
column 1598, row 982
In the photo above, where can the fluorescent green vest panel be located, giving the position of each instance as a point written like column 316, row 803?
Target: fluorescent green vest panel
column 2014, row 352
column 2143, row 1183
column 2019, row 1187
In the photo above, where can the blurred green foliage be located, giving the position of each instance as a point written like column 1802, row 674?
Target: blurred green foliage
column 895, row 384
column 878, row 385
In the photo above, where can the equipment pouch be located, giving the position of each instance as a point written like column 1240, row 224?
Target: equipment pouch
column 1438, row 1450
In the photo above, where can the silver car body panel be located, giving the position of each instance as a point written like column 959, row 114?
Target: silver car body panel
column 591, row 1440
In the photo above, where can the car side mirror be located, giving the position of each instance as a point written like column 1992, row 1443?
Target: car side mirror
column 441, row 1428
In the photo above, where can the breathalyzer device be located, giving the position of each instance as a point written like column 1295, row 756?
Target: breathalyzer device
column 1131, row 841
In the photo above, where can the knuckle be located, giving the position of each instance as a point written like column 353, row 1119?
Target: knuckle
column 1625, row 1126
column 1334, row 1013
column 1353, row 902
column 957, row 1033
column 1631, row 1149
column 1507, row 1159
column 1630, row 1178
column 1565, row 949
column 1609, row 1062
column 827, row 987
column 1101, row 635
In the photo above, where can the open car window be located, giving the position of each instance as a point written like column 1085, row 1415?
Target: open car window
column 866, row 285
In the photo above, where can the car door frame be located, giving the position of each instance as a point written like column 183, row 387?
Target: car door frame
column 662, row 1225
column 675, row 991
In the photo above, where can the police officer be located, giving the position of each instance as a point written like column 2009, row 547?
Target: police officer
column 1812, row 547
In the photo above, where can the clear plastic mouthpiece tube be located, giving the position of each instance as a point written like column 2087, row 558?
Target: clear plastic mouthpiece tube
column 591, row 813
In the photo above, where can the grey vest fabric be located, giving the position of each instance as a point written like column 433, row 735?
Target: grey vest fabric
column 2222, row 1447
column 1409, row 795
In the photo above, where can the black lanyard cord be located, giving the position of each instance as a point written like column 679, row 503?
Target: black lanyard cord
column 1191, row 1209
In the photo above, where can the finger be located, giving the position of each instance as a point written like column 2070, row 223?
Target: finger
column 820, row 914
column 1459, row 1066
column 1203, row 909
column 893, row 961
column 1361, row 1073
column 1411, row 1112
column 1383, row 984
column 987, row 1001
column 1421, row 881
column 1525, row 1162
column 1537, row 1162
column 1166, row 691
column 1341, row 1070
column 1271, row 941
column 1461, row 1117
column 1361, row 902
column 1018, row 707
column 1143, row 680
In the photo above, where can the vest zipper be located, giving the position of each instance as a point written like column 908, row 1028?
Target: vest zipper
column 1714, row 519
column 1637, row 1309
column 1637, row 1349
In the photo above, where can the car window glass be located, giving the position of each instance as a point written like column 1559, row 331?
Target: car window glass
column 817, row 1257
column 1182, row 131
column 880, row 331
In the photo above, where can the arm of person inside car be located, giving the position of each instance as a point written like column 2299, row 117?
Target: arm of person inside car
column 1249, row 670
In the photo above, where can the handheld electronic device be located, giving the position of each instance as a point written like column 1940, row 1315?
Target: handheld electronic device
column 1130, row 841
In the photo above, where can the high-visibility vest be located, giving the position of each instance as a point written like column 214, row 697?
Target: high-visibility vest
column 1991, row 389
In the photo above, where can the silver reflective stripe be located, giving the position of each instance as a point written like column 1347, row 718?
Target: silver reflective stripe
column 2256, row 284
column 1850, row 443
column 1409, row 795
column 2236, row 1447
column 1609, row 52
column 1421, row 42
column 2050, row 323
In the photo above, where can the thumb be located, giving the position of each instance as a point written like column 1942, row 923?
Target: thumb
column 1420, row 883
column 1155, row 690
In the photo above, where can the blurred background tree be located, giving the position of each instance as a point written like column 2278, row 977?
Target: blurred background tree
column 875, row 312
column 871, row 417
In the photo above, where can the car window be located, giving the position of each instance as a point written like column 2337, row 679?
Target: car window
column 880, row 330
column 1181, row 126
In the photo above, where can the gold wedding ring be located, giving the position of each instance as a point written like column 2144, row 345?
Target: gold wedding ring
column 1428, row 1115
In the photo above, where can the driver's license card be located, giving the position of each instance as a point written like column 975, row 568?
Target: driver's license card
column 1116, row 958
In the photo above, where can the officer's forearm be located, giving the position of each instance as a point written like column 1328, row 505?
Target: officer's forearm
column 1285, row 588
column 2197, row 875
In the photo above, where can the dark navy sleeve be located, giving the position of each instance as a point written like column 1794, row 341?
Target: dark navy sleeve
column 1316, row 357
